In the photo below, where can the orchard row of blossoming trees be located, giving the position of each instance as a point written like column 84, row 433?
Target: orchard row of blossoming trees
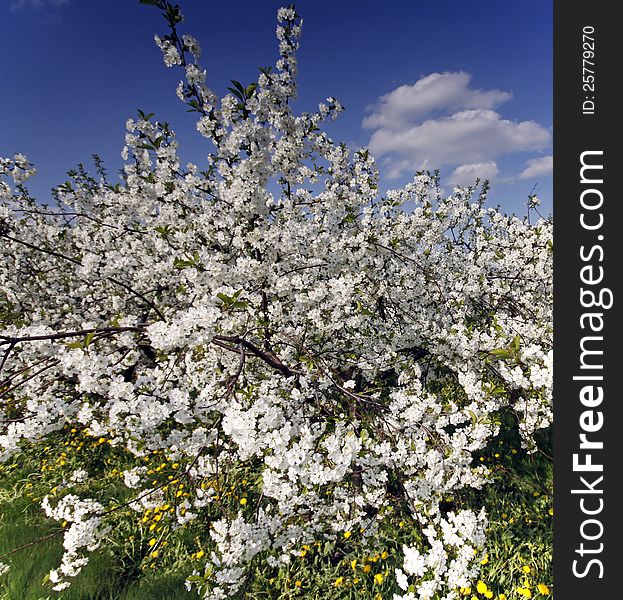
column 274, row 313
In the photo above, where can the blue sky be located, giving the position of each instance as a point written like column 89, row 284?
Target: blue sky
column 460, row 85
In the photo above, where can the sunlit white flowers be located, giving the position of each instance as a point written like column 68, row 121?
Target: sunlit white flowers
column 272, row 308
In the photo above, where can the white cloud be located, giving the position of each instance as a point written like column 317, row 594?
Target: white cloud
column 440, row 121
column 537, row 167
column 467, row 174
column 34, row 4
column 469, row 136
column 435, row 92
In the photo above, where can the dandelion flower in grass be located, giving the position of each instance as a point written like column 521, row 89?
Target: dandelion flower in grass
column 347, row 534
column 543, row 589
column 485, row 559
column 152, row 542
column 378, row 578
column 481, row 587
column 298, row 583
column 338, row 582
column 525, row 569
column 243, row 501
column 525, row 592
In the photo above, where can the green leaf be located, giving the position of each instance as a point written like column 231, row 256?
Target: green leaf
column 500, row 354
column 180, row 263
column 250, row 90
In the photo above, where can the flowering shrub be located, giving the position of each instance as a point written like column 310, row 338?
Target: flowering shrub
column 271, row 318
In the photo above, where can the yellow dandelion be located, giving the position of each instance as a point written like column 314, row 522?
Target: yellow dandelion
column 152, row 542
column 347, row 534
column 199, row 554
column 543, row 589
column 384, row 554
column 298, row 583
column 525, row 592
column 154, row 554
column 525, row 569
column 485, row 559
column 481, row 587
column 243, row 501
column 378, row 578
column 338, row 582
column 367, row 568
column 353, row 563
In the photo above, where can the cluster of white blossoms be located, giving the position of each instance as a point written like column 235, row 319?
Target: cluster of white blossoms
column 448, row 564
column 272, row 311
column 82, row 519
